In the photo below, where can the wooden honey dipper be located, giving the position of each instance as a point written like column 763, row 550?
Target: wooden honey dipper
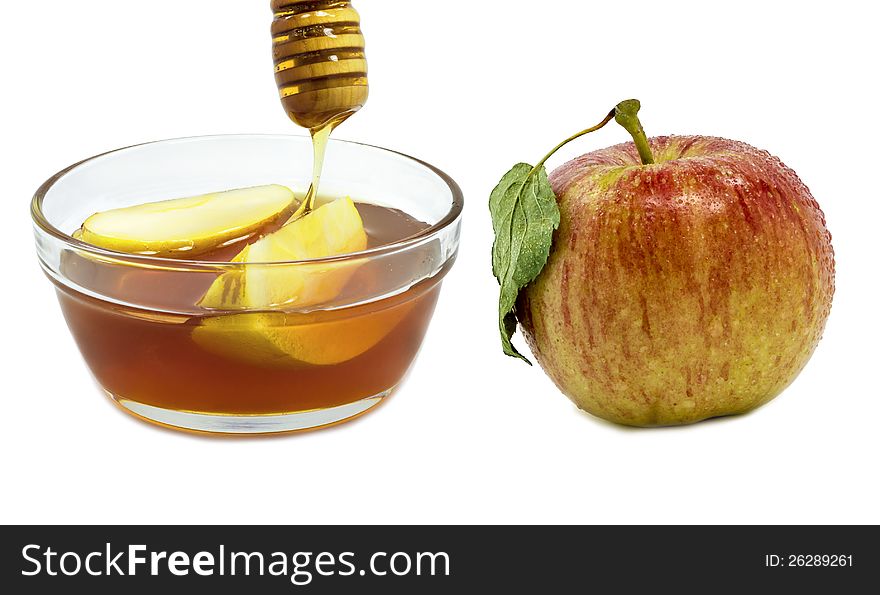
column 320, row 67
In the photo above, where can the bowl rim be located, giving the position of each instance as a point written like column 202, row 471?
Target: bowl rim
column 40, row 220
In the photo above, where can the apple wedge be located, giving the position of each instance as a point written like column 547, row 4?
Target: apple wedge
column 330, row 230
column 281, row 339
column 189, row 226
column 276, row 339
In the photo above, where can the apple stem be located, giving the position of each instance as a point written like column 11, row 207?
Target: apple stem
column 626, row 114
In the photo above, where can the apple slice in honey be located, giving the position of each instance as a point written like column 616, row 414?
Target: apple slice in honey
column 186, row 227
column 282, row 339
column 332, row 229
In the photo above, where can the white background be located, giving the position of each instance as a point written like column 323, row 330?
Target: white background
column 471, row 87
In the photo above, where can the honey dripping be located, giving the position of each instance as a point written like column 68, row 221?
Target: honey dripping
column 320, row 69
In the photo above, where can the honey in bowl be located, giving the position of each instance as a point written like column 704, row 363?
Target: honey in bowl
column 248, row 309
column 216, row 364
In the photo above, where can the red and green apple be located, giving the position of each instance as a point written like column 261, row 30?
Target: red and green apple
column 690, row 277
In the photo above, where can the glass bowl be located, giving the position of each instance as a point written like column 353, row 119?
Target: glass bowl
column 281, row 367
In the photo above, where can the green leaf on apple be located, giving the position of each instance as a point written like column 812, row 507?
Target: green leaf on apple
column 524, row 216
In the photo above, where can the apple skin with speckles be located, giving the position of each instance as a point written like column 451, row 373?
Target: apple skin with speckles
column 691, row 288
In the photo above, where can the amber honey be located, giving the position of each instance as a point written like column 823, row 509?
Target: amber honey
column 157, row 358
